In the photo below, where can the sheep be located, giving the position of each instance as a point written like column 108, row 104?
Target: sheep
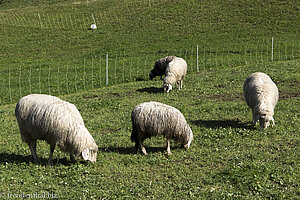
column 160, row 67
column 154, row 119
column 45, row 117
column 175, row 73
column 261, row 95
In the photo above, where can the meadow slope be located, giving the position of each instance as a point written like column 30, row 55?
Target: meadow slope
column 47, row 47
column 229, row 157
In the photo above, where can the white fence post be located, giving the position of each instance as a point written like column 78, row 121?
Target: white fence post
column 197, row 58
column 40, row 20
column 106, row 69
column 93, row 18
column 272, row 49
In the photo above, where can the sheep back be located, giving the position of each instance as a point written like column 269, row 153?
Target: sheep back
column 160, row 66
column 154, row 118
column 45, row 117
column 175, row 73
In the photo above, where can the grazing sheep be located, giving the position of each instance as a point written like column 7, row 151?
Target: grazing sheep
column 153, row 119
column 45, row 117
column 261, row 95
column 160, row 67
column 175, row 73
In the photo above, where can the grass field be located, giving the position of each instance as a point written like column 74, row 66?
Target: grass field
column 47, row 48
column 228, row 157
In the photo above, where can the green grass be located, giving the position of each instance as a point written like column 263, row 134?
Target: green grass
column 47, row 47
column 229, row 158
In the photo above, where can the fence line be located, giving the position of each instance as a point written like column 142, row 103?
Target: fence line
column 72, row 76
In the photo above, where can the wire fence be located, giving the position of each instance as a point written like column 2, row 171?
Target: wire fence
column 58, row 78
column 72, row 20
column 61, row 77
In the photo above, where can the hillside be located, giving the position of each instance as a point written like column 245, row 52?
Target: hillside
column 48, row 47
column 59, row 30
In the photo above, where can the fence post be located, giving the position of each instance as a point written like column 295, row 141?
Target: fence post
column 272, row 49
column 9, row 87
column 93, row 18
column 40, row 20
column 197, row 58
column 106, row 69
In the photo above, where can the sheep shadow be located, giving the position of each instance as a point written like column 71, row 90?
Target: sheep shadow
column 19, row 159
column 120, row 150
column 151, row 90
column 223, row 124
column 14, row 158
column 131, row 150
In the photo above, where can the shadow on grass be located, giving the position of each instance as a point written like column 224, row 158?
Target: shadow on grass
column 132, row 150
column 151, row 90
column 223, row 124
column 18, row 159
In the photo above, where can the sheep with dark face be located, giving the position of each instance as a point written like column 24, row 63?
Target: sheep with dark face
column 261, row 95
column 175, row 74
column 160, row 67
column 45, row 117
column 154, row 119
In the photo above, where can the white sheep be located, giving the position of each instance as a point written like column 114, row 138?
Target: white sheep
column 153, row 119
column 175, row 73
column 160, row 67
column 261, row 95
column 45, row 117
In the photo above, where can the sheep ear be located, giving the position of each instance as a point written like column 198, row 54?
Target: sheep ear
column 86, row 154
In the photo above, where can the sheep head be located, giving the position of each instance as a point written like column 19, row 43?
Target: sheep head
column 167, row 87
column 264, row 121
column 90, row 154
column 189, row 140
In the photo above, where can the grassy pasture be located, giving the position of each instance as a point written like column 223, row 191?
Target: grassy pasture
column 47, row 47
column 229, row 158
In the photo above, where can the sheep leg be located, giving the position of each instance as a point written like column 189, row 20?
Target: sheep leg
column 72, row 158
column 168, row 146
column 32, row 146
column 142, row 148
column 178, row 85
column 253, row 117
column 181, row 83
column 273, row 122
column 136, row 146
column 52, row 147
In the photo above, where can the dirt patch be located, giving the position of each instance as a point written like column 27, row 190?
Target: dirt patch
column 91, row 97
column 228, row 97
column 110, row 130
column 108, row 95
column 288, row 94
column 292, row 91
column 220, row 86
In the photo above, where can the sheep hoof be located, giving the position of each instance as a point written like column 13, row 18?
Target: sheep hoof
column 72, row 158
column 35, row 161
